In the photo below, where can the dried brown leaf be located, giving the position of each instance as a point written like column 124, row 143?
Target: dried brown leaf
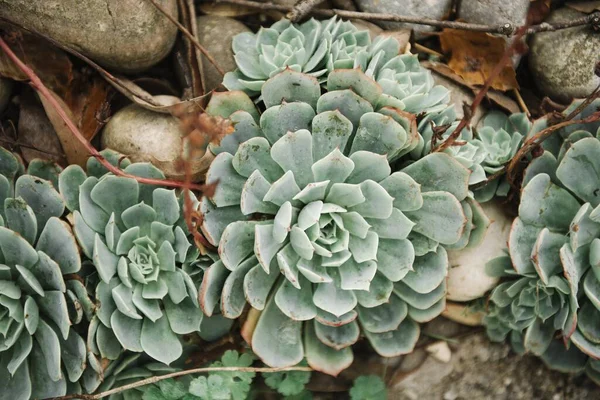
column 83, row 94
column 74, row 150
column 87, row 98
column 52, row 65
column 495, row 96
column 474, row 56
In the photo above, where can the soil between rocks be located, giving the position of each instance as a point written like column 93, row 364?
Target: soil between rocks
column 483, row 370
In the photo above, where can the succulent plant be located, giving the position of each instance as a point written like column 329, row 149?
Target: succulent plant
column 314, row 229
column 470, row 153
column 314, row 47
column 501, row 137
column 529, row 309
column 485, row 153
column 318, row 48
column 41, row 354
column 138, row 242
column 554, row 248
column 128, row 368
column 557, row 143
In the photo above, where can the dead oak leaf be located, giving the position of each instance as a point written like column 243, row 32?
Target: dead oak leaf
column 474, row 55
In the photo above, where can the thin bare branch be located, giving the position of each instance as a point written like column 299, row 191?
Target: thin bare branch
column 155, row 379
column 42, row 90
column 503, row 29
column 187, row 34
column 521, row 102
column 593, row 96
column 302, row 8
column 537, row 139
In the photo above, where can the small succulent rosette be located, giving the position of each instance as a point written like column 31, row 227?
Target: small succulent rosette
column 41, row 301
column 485, row 151
column 314, row 47
column 501, row 137
column 317, row 48
column 130, row 368
column 555, row 247
column 528, row 308
column 137, row 239
column 317, row 234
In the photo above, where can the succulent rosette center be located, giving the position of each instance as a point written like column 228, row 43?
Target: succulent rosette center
column 143, row 259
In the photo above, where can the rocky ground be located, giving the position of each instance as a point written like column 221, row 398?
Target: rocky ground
column 482, row 370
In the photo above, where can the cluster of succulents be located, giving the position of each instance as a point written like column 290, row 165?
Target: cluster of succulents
column 41, row 353
column 553, row 266
column 315, row 230
column 318, row 48
column 333, row 218
column 67, row 321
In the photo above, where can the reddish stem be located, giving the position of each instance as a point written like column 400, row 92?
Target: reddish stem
column 39, row 86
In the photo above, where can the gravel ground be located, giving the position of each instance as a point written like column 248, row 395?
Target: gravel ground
column 482, row 370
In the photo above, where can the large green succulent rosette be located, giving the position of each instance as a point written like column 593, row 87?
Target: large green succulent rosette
column 41, row 353
column 137, row 240
column 315, row 230
column 555, row 247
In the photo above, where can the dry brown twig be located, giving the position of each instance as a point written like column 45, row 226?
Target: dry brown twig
column 536, row 140
column 200, row 130
column 43, row 91
column 512, row 167
column 301, row 9
column 504, row 29
column 188, row 35
column 155, row 379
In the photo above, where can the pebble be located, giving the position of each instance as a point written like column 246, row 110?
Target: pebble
column 562, row 62
column 467, row 279
column 494, row 12
column 148, row 136
column 216, row 33
column 128, row 36
column 435, row 9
